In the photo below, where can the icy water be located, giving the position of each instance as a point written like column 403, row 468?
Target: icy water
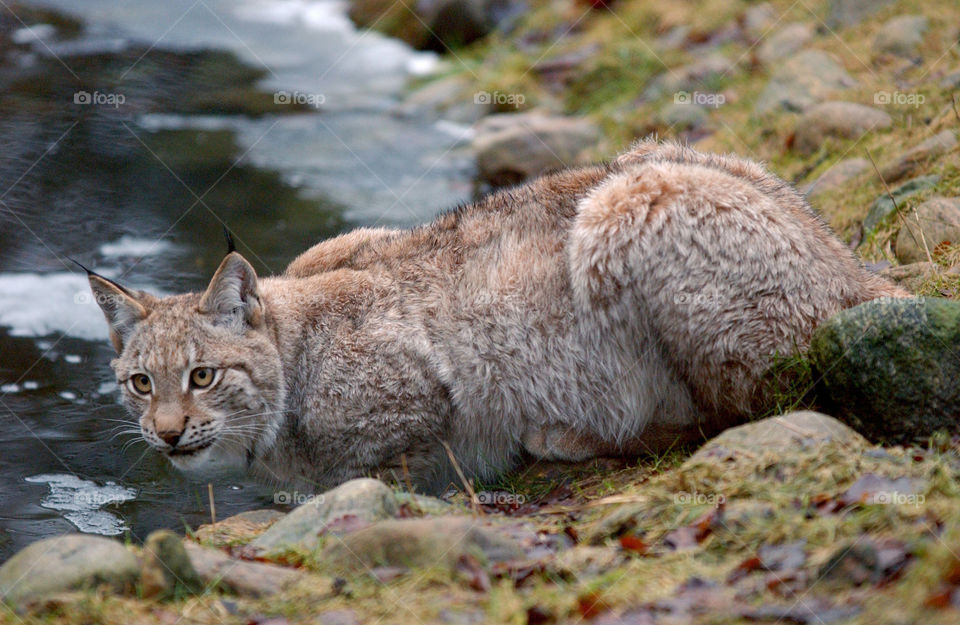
column 274, row 117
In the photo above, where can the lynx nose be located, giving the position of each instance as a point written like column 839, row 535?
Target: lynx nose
column 170, row 437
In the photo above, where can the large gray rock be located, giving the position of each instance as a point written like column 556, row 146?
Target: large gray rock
column 364, row 498
column 778, row 435
column 936, row 222
column 254, row 579
column 890, row 367
column 690, row 77
column 512, row 148
column 806, row 78
column 884, row 206
column 452, row 98
column 836, row 119
column 911, row 160
column 837, row 176
column 845, row 13
column 417, row 543
column 63, row 563
column 901, row 35
column 759, row 18
column 784, row 42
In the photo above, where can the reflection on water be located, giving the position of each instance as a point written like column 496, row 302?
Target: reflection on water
column 141, row 188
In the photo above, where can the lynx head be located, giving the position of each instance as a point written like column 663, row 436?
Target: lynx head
column 199, row 370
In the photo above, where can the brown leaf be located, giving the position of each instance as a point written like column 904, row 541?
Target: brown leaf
column 590, row 605
column 632, row 542
column 470, row 569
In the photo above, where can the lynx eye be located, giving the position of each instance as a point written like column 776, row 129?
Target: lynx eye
column 201, row 377
column 141, row 384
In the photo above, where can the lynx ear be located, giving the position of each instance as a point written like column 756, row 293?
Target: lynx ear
column 122, row 308
column 233, row 295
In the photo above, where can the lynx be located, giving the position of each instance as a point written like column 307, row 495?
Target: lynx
column 609, row 310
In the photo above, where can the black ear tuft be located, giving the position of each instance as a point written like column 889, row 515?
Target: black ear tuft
column 230, row 246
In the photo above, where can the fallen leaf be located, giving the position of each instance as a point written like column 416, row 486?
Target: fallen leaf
column 591, row 605
column 470, row 569
column 632, row 542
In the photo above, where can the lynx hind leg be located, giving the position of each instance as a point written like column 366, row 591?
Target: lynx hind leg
column 724, row 277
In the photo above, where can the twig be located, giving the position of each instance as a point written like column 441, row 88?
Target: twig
column 406, row 473
column 953, row 102
column 474, row 501
column 213, row 507
column 896, row 208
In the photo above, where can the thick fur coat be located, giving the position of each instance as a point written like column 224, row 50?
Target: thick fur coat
column 614, row 309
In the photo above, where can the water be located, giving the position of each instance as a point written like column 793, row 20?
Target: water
column 141, row 188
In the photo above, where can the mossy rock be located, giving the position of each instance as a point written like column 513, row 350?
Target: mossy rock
column 891, row 367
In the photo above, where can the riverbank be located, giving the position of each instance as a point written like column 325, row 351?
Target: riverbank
column 852, row 101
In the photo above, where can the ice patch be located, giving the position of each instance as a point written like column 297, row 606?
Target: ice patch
column 29, row 34
column 423, row 63
column 34, row 304
column 82, row 501
column 132, row 246
column 322, row 15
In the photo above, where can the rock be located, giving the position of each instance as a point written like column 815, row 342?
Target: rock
column 951, row 80
column 837, row 176
column 777, row 435
column 938, row 220
column 166, row 571
column 784, row 42
column 884, row 207
column 452, row 98
column 760, row 18
column 514, row 147
column 890, row 367
column 911, row 160
column 843, row 13
column 432, row 24
column 336, row 617
column 365, row 499
column 252, row 579
column 912, row 276
column 806, row 78
column 836, row 119
column 683, row 116
column 71, row 562
column 238, row 528
column 689, row 77
column 901, row 35
column 423, row 505
column 418, row 543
